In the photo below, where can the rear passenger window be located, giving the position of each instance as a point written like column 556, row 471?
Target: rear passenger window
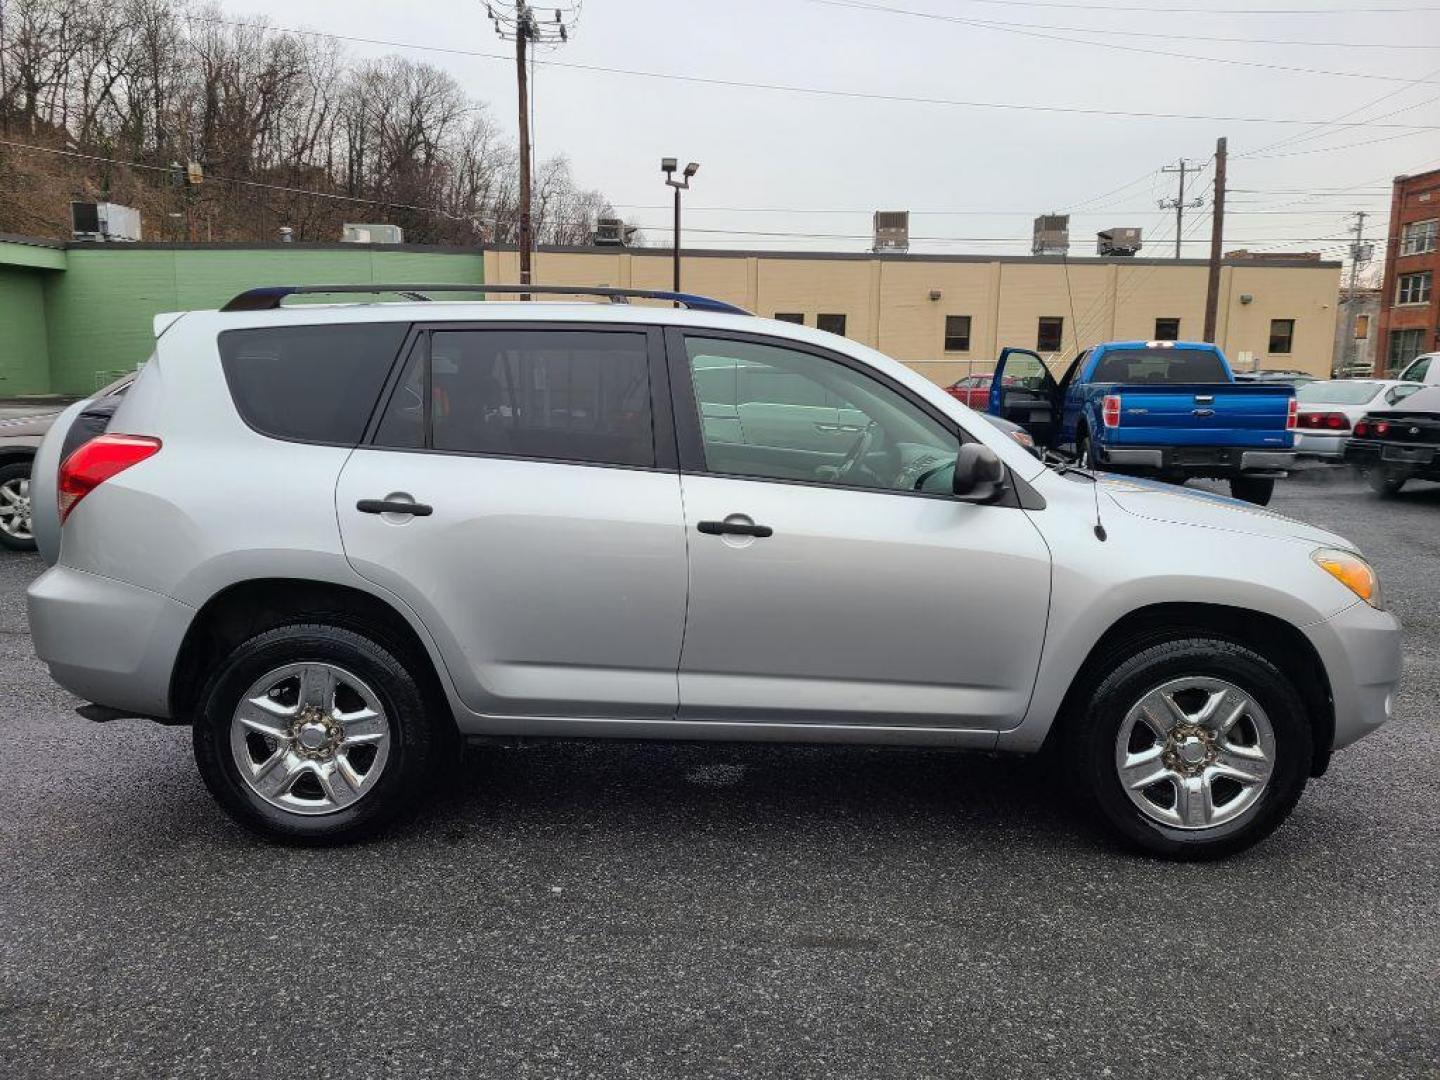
column 563, row 395
column 312, row 383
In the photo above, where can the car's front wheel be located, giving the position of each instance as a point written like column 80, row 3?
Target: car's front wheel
column 1192, row 748
column 16, row 531
column 314, row 733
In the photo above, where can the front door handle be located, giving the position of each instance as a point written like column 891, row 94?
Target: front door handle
column 734, row 528
column 393, row 506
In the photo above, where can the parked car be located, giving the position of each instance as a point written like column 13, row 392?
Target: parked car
column 1162, row 408
column 1329, row 409
column 973, row 390
column 20, row 437
column 337, row 538
column 1395, row 445
column 1425, row 368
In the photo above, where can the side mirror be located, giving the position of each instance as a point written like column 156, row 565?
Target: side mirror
column 979, row 474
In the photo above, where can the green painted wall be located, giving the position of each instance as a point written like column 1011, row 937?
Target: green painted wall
column 24, row 350
column 98, row 312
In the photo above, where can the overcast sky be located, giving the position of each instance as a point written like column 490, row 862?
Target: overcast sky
column 974, row 172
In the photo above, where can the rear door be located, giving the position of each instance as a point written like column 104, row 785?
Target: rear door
column 547, row 554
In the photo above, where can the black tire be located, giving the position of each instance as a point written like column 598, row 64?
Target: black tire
column 16, row 470
column 1253, row 489
column 1385, row 481
column 1090, row 744
column 1084, row 457
column 416, row 747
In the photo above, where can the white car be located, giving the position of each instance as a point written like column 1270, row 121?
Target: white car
column 1329, row 410
column 1425, row 368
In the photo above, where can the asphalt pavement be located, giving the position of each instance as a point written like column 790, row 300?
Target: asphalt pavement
column 648, row 910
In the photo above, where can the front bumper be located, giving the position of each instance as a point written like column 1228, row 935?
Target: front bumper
column 1198, row 460
column 1360, row 649
column 107, row 641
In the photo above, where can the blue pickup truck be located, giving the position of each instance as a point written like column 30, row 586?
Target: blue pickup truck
column 1170, row 409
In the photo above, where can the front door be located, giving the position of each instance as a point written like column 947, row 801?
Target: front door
column 845, row 586
column 550, row 566
column 1023, row 391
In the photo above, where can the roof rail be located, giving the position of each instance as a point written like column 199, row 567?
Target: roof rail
column 269, row 297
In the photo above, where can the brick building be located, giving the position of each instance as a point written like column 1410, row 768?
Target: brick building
column 1409, row 305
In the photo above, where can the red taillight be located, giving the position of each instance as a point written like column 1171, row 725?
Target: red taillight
column 1110, row 410
column 1382, row 428
column 1292, row 414
column 1362, row 429
column 97, row 461
column 1323, row 421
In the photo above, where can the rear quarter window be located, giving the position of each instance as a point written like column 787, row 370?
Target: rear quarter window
column 310, row 383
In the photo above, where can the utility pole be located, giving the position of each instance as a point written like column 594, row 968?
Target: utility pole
column 1217, row 243
column 1360, row 253
column 528, row 27
column 1178, row 204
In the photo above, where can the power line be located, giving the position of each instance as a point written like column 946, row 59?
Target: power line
column 831, row 92
column 1015, row 28
column 1151, row 9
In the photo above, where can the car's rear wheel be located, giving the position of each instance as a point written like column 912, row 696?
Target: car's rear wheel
column 1192, row 748
column 1384, row 480
column 16, row 531
column 1253, row 489
column 314, row 733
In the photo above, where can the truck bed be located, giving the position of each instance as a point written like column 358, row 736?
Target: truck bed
column 1246, row 415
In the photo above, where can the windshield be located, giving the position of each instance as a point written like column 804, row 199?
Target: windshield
column 1160, row 366
column 1337, row 393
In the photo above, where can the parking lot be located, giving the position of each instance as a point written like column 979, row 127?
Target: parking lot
column 650, row 910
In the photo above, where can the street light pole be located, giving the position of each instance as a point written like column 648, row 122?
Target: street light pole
column 668, row 166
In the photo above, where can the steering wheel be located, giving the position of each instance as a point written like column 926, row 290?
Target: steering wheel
column 857, row 452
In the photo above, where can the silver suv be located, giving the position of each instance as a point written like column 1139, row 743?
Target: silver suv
column 336, row 539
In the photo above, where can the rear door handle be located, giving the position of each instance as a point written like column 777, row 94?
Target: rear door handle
column 734, row 528
column 393, row 506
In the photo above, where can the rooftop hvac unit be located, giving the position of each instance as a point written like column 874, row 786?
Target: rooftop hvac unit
column 1052, row 235
column 371, row 234
column 104, row 222
column 612, row 232
column 892, row 231
column 1117, row 242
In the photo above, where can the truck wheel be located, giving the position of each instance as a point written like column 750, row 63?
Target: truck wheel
column 1253, row 489
column 314, row 734
column 1083, row 457
column 1193, row 748
column 1385, row 482
column 16, row 531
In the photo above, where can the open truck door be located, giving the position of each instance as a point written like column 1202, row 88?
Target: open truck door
column 1024, row 392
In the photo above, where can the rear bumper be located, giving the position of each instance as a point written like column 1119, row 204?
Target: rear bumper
column 1320, row 446
column 106, row 641
column 1368, row 454
column 1360, row 648
column 1197, row 460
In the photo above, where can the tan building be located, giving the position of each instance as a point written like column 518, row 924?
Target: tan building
column 949, row 315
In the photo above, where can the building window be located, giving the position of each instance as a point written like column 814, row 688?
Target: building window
column 1282, row 335
column 957, row 333
column 1167, row 329
column 1049, row 333
column 1362, row 327
column 791, row 317
column 1413, row 288
column 834, row 324
column 1405, row 345
column 1419, row 237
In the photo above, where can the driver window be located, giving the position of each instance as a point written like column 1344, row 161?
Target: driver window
column 775, row 413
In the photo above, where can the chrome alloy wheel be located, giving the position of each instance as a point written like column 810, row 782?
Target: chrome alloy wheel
column 310, row 738
column 1195, row 752
column 15, row 508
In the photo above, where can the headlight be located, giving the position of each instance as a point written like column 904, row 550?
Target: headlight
column 1353, row 572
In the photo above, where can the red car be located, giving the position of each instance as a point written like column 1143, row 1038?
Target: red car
column 974, row 390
